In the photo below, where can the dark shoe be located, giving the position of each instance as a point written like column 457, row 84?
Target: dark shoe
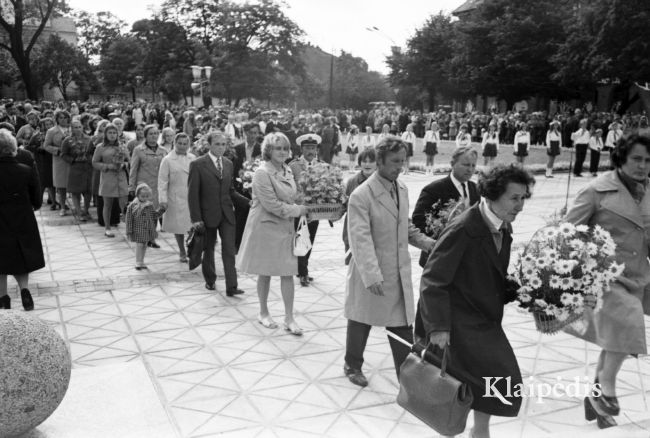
column 210, row 286
column 304, row 281
column 26, row 297
column 355, row 376
column 233, row 292
column 606, row 405
column 603, row 421
column 153, row 244
column 5, row 302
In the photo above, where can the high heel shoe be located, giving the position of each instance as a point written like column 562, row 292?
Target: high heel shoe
column 26, row 297
column 603, row 421
column 606, row 404
column 5, row 302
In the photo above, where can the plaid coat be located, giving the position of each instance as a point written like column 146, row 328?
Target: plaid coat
column 141, row 227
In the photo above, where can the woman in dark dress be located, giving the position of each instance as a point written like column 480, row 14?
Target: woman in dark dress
column 21, row 251
column 43, row 159
column 464, row 290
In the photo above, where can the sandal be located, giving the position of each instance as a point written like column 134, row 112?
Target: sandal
column 108, row 234
column 293, row 329
column 183, row 259
column 267, row 321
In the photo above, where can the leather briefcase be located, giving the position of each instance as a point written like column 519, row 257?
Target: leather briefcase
column 438, row 399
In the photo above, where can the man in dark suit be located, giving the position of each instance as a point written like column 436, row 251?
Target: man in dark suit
column 456, row 185
column 247, row 151
column 210, row 198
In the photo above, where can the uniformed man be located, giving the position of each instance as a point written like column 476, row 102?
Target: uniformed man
column 308, row 144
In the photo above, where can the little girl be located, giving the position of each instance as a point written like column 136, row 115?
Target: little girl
column 141, row 218
column 352, row 146
column 431, row 140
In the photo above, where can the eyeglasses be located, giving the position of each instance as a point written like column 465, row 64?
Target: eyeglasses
column 281, row 148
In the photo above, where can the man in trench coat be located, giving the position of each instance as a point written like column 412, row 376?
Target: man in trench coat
column 378, row 288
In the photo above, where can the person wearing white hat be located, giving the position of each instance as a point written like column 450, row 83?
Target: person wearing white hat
column 309, row 147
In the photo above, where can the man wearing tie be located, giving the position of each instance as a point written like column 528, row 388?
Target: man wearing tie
column 456, row 185
column 378, row 288
column 309, row 149
column 210, row 199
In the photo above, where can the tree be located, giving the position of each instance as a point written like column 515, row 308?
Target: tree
column 96, row 31
column 203, row 19
column 59, row 64
column 167, row 55
column 24, row 21
column 355, row 86
column 120, row 63
column 605, row 45
column 426, row 62
column 505, row 48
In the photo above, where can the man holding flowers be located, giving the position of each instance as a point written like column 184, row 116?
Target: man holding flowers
column 308, row 144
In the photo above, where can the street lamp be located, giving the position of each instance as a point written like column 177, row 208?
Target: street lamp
column 382, row 33
column 198, row 83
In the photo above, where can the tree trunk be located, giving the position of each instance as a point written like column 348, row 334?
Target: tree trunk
column 432, row 99
column 23, row 64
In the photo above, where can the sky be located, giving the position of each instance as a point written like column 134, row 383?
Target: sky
column 333, row 25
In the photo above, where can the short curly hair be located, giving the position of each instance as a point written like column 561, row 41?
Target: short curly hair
column 273, row 139
column 388, row 144
column 494, row 183
column 625, row 145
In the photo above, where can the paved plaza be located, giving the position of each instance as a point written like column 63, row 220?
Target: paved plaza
column 157, row 355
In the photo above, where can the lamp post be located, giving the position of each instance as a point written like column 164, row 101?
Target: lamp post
column 199, row 82
column 382, row 33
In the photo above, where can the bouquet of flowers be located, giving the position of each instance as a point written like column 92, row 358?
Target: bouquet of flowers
column 321, row 190
column 120, row 157
column 440, row 215
column 246, row 174
column 559, row 268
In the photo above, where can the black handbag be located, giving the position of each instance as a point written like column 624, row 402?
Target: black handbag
column 194, row 244
column 432, row 395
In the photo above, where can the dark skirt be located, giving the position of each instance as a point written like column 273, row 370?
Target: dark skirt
column 20, row 240
column 352, row 151
column 521, row 150
column 80, row 178
column 431, row 148
column 490, row 150
column 554, row 150
column 44, row 165
column 409, row 149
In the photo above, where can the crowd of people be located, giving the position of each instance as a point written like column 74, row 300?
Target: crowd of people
column 182, row 169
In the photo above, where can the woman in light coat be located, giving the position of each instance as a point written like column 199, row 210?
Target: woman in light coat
column 619, row 202
column 172, row 191
column 110, row 159
column 52, row 144
column 267, row 244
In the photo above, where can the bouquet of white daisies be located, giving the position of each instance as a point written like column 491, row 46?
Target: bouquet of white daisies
column 561, row 270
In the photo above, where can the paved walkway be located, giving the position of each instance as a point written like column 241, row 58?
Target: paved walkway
column 157, row 355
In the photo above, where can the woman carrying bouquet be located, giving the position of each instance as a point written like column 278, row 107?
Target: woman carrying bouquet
column 618, row 202
column 352, row 145
column 267, row 245
column 464, row 289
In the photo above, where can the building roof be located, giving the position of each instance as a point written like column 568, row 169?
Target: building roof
column 466, row 7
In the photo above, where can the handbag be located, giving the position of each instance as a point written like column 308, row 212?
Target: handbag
column 301, row 241
column 433, row 396
column 194, row 247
